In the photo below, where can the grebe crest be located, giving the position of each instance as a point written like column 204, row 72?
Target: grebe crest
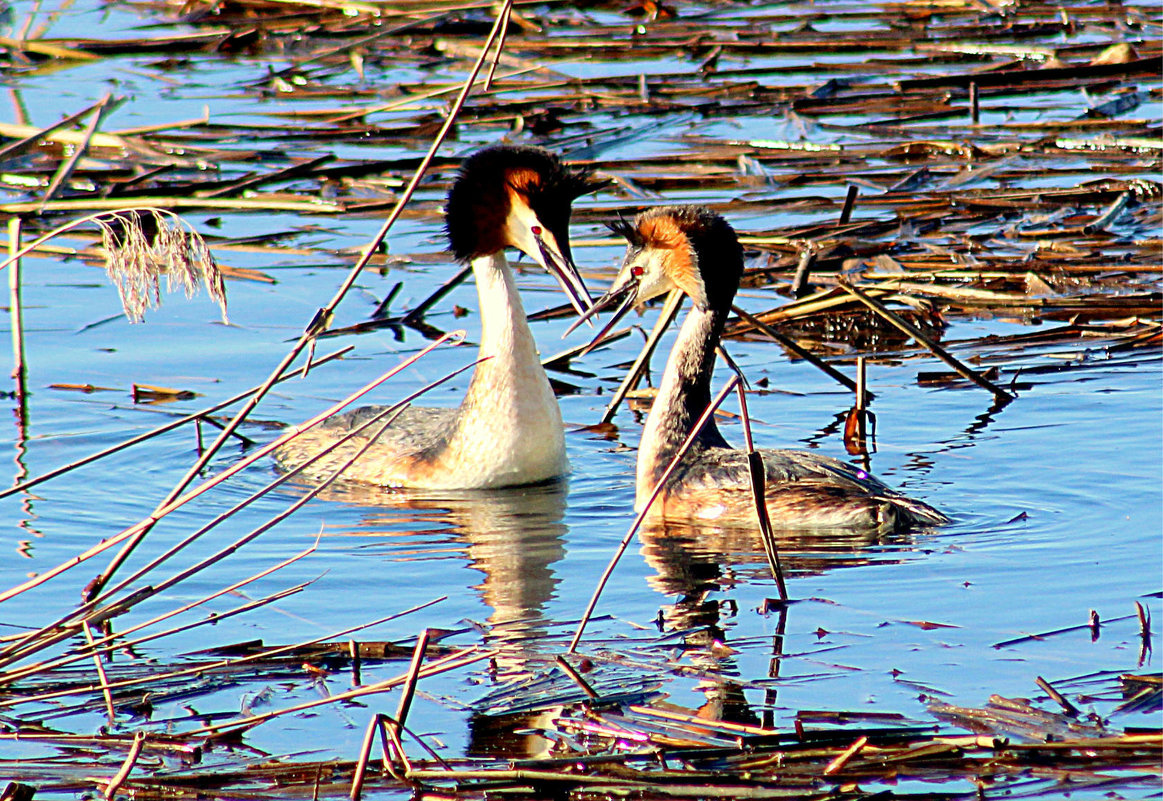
column 696, row 251
column 508, row 429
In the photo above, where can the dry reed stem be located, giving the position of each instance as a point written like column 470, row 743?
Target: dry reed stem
column 1056, row 697
column 796, row 348
column 393, row 733
column 163, row 429
column 209, row 668
column 66, row 632
column 459, row 659
column 57, row 630
column 383, row 418
column 31, row 140
column 310, row 333
column 137, row 597
column 177, row 502
column 365, row 752
column 15, row 308
column 130, row 760
column 758, row 476
column 837, row 764
column 172, row 203
column 102, row 679
column 500, row 47
column 937, row 350
column 66, row 167
column 413, row 672
column 576, row 677
column 108, row 643
column 641, row 516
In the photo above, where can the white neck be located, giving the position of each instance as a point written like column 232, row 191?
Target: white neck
column 509, row 427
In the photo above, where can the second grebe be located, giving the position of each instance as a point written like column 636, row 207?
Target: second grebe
column 508, row 429
column 696, row 251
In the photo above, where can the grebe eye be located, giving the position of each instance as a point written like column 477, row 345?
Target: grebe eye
column 636, row 271
column 536, row 229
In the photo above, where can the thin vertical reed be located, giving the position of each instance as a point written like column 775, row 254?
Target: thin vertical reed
column 670, row 308
column 15, row 308
column 758, row 475
column 849, row 203
column 110, row 713
column 365, row 752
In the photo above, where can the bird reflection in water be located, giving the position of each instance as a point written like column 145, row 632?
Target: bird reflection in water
column 513, row 536
column 695, row 563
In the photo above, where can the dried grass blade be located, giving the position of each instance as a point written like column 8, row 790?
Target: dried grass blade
column 458, row 659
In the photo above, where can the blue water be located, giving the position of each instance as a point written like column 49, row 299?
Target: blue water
column 1056, row 498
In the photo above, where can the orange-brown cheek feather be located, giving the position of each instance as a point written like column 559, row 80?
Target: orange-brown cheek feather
column 523, row 180
column 664, row 233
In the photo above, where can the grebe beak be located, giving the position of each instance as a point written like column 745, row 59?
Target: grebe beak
column 623, row 297
column 557, row 262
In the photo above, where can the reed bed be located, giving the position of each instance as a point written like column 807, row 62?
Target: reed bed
column 945, row 167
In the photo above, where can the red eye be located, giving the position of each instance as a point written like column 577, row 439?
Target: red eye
column 636, row 271
column 536, row 229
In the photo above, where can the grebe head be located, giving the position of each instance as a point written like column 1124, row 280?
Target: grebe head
column 689, row 248
column 508, row 196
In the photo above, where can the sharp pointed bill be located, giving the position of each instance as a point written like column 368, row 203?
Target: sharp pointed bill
column 550, row 249
column 624, row 296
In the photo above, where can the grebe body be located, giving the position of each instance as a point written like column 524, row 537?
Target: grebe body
column 696, row 251
column 508, row 430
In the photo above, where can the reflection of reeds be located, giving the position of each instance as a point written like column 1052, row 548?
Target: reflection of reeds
column 141, row 245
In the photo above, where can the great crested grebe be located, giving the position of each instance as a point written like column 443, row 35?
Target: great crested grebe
column 696, row 251
column 508, row 429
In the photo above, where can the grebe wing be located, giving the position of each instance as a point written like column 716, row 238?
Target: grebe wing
column 415, row 429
